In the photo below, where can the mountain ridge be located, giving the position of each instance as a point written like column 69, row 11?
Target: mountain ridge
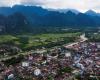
column 39, row 17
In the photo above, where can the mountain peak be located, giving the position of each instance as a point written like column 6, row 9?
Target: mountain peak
column 91, row 12
column 65, row 10
column 70, row 13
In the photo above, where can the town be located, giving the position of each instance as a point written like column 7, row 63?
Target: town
column 75, row 61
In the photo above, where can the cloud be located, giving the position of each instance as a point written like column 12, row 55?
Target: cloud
column 9, row 2
column 81, row 5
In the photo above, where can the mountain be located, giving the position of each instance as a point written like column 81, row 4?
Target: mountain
column 22, row 9
column 19, row 18
column 15, row 23
column 98, row 14
column 65, row 10
column 91, row 13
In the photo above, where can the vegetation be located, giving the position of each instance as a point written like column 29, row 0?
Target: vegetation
column 29, row 41
column 13, row 60
column 94, row 37
column 65, row 70
column 50, row 77
column 6, row 38
column 19, row 19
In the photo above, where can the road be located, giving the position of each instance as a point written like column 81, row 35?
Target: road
column 83, row 38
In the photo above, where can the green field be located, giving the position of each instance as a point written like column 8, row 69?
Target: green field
column 34, row 41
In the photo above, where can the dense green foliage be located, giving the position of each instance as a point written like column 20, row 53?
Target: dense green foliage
column 65, row 70
column 13, row 60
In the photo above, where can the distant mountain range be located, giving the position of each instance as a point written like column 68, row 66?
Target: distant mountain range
column 65, row 10
column 21, row 18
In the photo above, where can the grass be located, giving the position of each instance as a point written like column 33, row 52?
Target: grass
column 7, row 38
column 28, row 41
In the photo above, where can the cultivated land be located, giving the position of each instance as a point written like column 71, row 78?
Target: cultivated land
column 28, row 41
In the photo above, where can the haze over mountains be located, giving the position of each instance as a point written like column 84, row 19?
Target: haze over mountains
column 21, row 18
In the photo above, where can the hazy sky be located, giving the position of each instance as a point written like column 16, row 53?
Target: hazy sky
column 81, row 5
